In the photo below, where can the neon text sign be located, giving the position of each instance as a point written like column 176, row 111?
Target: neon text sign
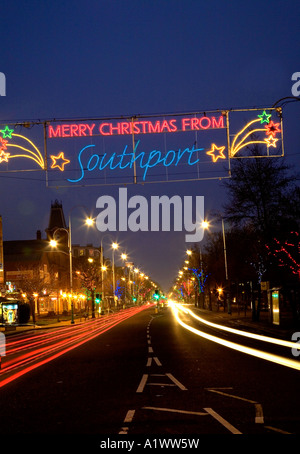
column 109, row 128
column 128, row 159
column 140, row 149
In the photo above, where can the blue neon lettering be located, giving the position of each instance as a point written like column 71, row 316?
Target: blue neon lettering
column 80, row 164
column 191, row 152
column 117, row 161
column 166, row 157
column 109, row 162
column 122, row 156
column 90, row 160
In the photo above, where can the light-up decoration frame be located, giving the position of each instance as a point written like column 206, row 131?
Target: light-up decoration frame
column 262, row 130
column 140, row 149
column 152, row 149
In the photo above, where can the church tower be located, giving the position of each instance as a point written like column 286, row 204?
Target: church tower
column 57, row 226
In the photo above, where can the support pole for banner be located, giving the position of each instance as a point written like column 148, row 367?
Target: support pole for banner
column 133, row 150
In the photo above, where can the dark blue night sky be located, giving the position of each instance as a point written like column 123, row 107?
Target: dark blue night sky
column 89, row 59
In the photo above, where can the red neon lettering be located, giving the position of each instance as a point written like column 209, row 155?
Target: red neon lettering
column 74, row 130
column 54, row 132
column 82, row 129
column 102, row 131
column 207, row 120
column 185, row 123
column 90, row 128
column 65, row 131
column 194, row 123
column 135, row 128
column 164, row 125
column 125, row 127
column 215, row 123
column 154, row 128
column 112, row 128
column 144, row 124
column 173, row 125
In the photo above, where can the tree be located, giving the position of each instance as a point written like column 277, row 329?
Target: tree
column 35, row 280
column 89, row 275
column 259, row 194
column 262, row 195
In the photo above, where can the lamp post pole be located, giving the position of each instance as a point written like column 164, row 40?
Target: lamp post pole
column 71, row 270
column 102, row 265
column 226, row 271
column 69, row 233
column 225, row 255
column 114, row 246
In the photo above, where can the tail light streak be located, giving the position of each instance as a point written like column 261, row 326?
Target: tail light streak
column 46, row 347
column 242, row 348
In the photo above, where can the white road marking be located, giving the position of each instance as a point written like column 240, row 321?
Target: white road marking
column 278, row 430
column 180, row 385
column 223, row 421
column 259, row 418
column 172, row 410
column 149, row 361
column 142, row 384
column 128, row 418
column 158, row 363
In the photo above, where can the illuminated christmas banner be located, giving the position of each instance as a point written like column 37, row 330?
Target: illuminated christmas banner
column 178, row 147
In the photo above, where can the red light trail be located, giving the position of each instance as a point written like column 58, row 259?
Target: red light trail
column 30, row 352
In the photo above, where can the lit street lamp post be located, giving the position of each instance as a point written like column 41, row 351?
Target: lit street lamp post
column 114, row 247
column 53, row 243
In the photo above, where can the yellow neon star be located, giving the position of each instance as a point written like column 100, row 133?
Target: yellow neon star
column 212, row 152
column 4, row 156
column 56, row 158
column 271, row 142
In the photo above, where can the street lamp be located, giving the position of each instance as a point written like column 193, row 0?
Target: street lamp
column 53, row 243
column 89, row 221
column 124, row 257
column 114, row 247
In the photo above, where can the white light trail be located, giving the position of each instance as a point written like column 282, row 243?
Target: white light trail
column 250, row 351
column 259, row 337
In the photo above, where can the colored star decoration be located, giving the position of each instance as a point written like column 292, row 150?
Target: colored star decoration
column 272, row 129
column 60, row 157
column 214, row 148
column 3, row 144
column 271, row 142
column 4, row 156
column 264, row 117
column 6, row 132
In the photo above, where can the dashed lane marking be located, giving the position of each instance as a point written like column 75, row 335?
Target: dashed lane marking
column 128, row 419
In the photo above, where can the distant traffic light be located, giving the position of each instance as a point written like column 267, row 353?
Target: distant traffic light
column 98, row 298
column 156, row 294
